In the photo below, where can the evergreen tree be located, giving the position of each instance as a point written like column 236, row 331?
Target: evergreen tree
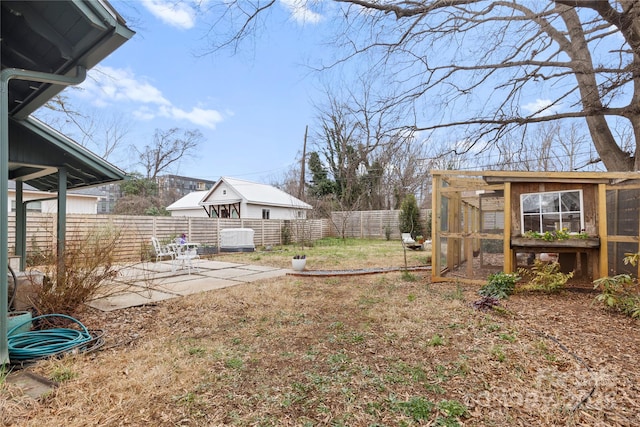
column 410, row 216
column 321, row 184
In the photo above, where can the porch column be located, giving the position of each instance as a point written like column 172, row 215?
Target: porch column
column 62, row 221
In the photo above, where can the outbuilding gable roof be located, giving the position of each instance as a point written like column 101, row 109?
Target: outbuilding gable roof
column 255, row 193
column 190, row 201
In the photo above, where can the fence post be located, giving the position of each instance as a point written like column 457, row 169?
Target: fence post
column 153, row 227
column 218, row 233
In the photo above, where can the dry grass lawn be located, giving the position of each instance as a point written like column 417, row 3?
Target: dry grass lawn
column 374, row 350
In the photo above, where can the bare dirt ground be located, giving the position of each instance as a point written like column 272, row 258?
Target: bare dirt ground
column 386, row 349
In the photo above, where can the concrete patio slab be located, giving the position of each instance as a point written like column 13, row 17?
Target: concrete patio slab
column 229, row 273
column 217, row 265
column 130, row 299
column 196, row 285
column 158, row 281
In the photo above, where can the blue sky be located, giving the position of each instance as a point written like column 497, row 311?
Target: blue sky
column 251, row 107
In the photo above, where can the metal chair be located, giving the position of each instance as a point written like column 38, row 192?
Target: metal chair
column 185, row 255
column 162, row 251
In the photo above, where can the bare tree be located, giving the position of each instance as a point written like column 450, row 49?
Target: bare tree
column 406, row 172
column 472, row 64
column 168, row 148
column 354, row 136
column 104, row 134
column 547, row 147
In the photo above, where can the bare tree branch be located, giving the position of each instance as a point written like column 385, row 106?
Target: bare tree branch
column 475, row 64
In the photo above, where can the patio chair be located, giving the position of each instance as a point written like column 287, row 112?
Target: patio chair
column 408, row 242
column 162, row 251
column 407, row 239
column 185, row 255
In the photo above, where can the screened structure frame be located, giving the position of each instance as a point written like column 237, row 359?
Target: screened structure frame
column 478, row 222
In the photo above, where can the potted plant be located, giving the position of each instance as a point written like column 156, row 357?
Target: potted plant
column 298, row 262
column 419, row 239
column 207, row 249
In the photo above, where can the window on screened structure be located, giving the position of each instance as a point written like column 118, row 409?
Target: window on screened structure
column 265, row 213
column 551, row 211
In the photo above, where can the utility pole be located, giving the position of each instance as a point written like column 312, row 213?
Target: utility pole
column 302, row 165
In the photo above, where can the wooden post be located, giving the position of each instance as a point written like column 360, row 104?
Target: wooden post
column 436, row 212
column 603, row 264
column 508, row 252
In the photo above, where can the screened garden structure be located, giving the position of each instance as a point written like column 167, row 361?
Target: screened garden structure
column 489, row 221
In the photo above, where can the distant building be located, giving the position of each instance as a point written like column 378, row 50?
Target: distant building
column 109, row 195
column 170, row 189
column 174, row 187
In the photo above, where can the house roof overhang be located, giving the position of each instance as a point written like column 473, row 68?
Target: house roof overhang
column 55, row 37
column 37, row 152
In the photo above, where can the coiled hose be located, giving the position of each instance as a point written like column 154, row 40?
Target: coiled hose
column 40, row 344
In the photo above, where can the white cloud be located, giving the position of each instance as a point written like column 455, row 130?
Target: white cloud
column 541, row 107
column 112, row 87
column 107, row 85
column 301, row 12
column 144, row 114
column 177, row 14
column 197, row 116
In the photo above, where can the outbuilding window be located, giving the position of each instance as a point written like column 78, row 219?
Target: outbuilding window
column 554, row 210
column 265, row 213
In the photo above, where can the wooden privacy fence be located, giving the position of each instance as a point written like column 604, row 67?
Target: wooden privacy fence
column 136, row 231
column 370, row 224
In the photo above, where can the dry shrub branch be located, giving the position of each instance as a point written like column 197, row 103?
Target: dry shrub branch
column 89, row 262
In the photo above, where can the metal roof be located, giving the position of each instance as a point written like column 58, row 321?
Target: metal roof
column 252, row 193
column 190, row 201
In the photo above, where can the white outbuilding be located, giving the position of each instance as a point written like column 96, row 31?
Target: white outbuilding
column 237, row 198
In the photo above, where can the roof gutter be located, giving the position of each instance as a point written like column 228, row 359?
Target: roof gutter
column 6, row 76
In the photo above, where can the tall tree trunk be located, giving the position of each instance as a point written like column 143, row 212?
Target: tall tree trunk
column 613, row 157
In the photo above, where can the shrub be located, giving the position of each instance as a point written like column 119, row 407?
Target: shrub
column 88, row 262
column 39, row 256
column 286, row 235
column 544, row 276
column 620, row 293
column 500, row 285
column 387, row 232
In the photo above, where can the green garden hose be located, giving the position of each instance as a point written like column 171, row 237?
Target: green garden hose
column 45, row 343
